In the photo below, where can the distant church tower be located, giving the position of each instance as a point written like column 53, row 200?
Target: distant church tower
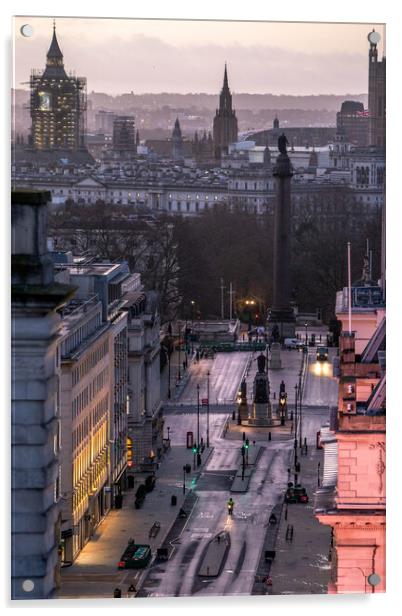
column 58, row 104
column 177, row 142
column 225, row 121
column 376, row 93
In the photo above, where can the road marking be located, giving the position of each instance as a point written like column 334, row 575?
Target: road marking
column 200, row 536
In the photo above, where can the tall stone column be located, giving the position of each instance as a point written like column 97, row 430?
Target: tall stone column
column 281, row 320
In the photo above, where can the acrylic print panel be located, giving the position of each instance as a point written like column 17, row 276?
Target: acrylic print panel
column 198, row 304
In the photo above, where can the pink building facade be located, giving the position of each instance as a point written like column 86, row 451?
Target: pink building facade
column 355, row 506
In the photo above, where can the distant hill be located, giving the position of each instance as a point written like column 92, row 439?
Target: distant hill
column 329, row 102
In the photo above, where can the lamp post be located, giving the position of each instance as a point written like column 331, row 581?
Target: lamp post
column 184, row 479
column 178, row 325
column 169, row 392
column 300, row 420
column 296, row 426
column 198, row 426
column 192, row 326
column 168, row 431
column 305, row 325
column 208, row 408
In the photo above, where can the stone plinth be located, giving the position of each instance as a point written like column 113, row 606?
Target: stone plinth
column 243, row 411
column 261, row 414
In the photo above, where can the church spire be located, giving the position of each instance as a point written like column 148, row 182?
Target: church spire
column 54, row 58
column 54, row 52
column 225, row 79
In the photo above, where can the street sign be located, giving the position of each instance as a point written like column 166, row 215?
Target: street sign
column 204, row 401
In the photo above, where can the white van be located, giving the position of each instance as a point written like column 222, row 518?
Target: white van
column 292, row 343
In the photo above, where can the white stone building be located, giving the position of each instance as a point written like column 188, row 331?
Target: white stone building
column 35, row 402
column 86, row 412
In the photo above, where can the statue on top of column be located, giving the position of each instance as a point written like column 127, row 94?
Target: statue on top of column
column 282, row 143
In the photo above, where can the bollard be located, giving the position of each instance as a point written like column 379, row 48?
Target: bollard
column 117, row 593
column 269, row 436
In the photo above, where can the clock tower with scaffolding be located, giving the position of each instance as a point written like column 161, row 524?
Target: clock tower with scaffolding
column 58, row 104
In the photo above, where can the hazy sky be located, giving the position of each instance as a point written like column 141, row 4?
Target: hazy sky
column 123, row 55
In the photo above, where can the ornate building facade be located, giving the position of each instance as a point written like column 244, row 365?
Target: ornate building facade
column 58, row 104
column 376, row 95
column 177, row 143
column 225, row 121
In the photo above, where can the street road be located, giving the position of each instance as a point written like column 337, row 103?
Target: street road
column 247, row 527
column 321, row 387
column 225, row 369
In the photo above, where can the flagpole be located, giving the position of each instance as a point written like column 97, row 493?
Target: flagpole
column 349, row 291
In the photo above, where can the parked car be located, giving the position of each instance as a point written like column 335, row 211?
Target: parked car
column 292, row 343
column 135, row 556
column 140, row 496
column 150, row 483
column 296, row 494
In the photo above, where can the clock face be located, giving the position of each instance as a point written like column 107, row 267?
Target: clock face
column 374, row 37
column 44, row 101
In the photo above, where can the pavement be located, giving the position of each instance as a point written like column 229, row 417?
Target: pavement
column 95, row 573
column 301, row 565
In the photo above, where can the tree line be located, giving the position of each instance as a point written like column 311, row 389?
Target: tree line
column 185, row 258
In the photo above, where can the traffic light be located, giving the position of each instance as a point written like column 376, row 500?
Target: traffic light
column 188, row 468
column 246, row 444
column 244, row 436
column 194, row 449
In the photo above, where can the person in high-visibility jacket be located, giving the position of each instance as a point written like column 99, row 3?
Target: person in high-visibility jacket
column 230, row 506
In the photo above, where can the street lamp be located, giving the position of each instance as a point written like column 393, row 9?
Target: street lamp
column 296, row 426
column 169, row 392
column 208, row 408
column 198, row 426
column 305, row 325
column 300, row 419
column 192, row 326
column 178, row 325
column 168, row 430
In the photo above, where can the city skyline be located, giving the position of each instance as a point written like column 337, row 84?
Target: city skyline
column 188, row 56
